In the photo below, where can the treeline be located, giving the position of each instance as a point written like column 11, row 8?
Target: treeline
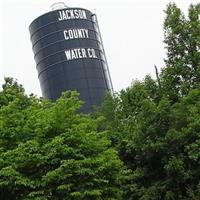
column 143, row 143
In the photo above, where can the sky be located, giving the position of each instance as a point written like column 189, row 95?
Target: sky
column 132, row 33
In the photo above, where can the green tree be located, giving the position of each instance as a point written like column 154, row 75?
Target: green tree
column 159, row 141
column 182, row 71
column 156, row 128
column 49, row 151
column 13, row 106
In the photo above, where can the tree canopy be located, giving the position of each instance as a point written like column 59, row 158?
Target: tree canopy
column 155, row 125
column 49, row 151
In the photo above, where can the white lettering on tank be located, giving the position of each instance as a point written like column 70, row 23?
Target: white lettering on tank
column 72, row 54
column 71, row 14
column 75, row 33
column 91, row 53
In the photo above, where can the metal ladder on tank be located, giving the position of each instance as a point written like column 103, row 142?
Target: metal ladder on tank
column 94, row 19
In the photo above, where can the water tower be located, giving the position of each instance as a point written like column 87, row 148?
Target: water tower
column 69, row 55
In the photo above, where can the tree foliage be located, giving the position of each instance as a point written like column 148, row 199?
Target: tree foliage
column 48, row 151
column 156, row 128
column 182, row 71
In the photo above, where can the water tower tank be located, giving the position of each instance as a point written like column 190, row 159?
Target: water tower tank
column 69, row 55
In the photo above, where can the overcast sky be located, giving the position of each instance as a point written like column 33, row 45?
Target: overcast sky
column 132, row 33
